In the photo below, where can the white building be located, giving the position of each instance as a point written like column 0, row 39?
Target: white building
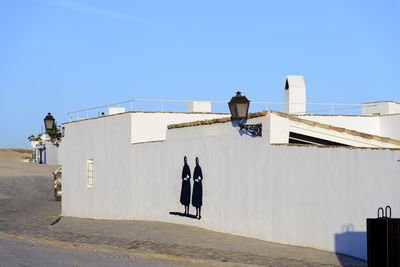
column 309, row 180
column 44, row 151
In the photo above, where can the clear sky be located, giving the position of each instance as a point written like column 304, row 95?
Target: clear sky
column 62, row 55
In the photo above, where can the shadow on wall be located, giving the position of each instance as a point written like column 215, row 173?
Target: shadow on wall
column 185, row 194
column 235, row 124
column 351, row 243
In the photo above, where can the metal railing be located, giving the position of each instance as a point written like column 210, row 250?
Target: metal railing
column 164, row 105
column 130, row 105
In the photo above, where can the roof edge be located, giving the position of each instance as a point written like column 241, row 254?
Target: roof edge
column 214, row 121
column 339, row 129
column 132, row 112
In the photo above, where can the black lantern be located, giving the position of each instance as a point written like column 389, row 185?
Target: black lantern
column 239, row 107
column 49, row 122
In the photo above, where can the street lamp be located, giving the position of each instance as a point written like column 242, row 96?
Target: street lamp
column 239, row 107
column 49, row 122
column 51, row 128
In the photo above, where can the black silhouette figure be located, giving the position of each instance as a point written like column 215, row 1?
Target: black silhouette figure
column 197, row 197
column 185, row 191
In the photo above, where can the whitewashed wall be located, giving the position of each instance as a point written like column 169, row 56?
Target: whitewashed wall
column 49, row 156
column 107, row 141
column 364, row 124
column 51, row 153
column 390, row 126
column 60, row 154
column 382, row 108
column 279, row 132
column 303, row 196
column 152, row 126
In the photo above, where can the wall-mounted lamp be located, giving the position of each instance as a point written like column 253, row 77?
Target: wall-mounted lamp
column 239, row 107
column 51, row 130
column 49, row 122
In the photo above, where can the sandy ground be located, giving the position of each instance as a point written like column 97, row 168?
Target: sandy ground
column 12, row 165
column 28, row 238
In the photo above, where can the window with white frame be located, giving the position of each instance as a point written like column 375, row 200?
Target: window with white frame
column 90, row 172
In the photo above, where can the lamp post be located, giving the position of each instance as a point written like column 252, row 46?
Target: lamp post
column 49, row 124
column 239, row 107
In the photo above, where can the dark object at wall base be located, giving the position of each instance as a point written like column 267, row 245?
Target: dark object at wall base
column 383, row 241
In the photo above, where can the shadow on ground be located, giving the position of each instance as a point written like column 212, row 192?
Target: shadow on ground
column 350, row 242
column 183, row 214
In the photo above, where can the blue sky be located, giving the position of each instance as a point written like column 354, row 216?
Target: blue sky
column 62, row 55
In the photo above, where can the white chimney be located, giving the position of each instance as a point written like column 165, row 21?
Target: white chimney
column 198, row 106
column 112, row 111
column 295, row 95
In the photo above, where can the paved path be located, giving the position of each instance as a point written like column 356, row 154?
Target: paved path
column 27, row 210
column 187, row 241
column 17, row 252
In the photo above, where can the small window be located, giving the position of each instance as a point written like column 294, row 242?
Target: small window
column 90, row 172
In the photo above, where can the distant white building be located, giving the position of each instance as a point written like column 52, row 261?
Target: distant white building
column 44, row 151
column 309, row 180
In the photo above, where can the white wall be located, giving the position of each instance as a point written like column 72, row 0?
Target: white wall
column 49, row 156
column 147, row 127
column 390, row 126
column 394, row 108
column 279, row 129
column 382, row 108
column 51, row 153
column 106, row 140
column 116, row 110
column 198, row 106
column 295, row 195
column 60, row 154
column 364, row 124
column 301, row 196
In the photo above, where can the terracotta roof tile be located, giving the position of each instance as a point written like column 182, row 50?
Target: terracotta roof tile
column 214, row 121
column 394, row 142
column 337, row 129
column 323, row 126
column 117, row 114
column 364, row 135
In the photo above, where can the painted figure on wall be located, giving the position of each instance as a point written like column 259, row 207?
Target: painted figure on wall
column 197, row 198
column 185, row 191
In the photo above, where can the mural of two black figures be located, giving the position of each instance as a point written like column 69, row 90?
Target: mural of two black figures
column 187, row 194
